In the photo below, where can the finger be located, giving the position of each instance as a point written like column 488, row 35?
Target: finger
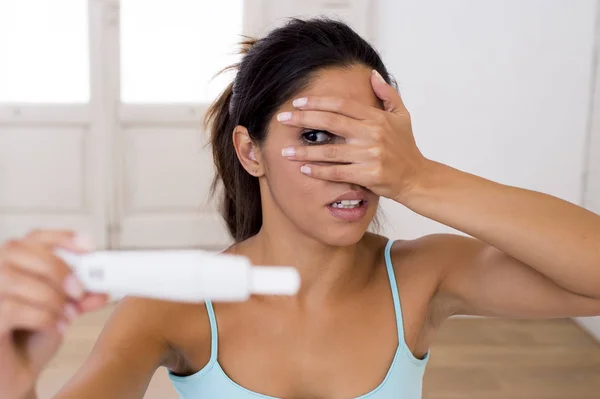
column 66, row 239
column 343, row 106
column 27, row 288
column 328, row 121
column 391, row 98
column 92, row 302
column 337, row 173
column 41, row 262
column 18, row 315
column 338, row 153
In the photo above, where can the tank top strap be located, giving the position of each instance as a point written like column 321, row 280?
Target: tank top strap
column 214, row 333
column 394, row 288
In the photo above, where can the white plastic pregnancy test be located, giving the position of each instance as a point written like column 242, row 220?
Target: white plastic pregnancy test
column 179, row 275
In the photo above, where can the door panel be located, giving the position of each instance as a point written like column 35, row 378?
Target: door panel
column 42, row 169
column 49, row 171
column 165, row 194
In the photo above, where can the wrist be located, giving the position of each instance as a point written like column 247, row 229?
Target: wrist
column 426, row 176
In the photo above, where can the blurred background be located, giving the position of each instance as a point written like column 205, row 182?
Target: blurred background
column 101, row 103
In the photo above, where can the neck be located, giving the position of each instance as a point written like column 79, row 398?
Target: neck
column 326, row 271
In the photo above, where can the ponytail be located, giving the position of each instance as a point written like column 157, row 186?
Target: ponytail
column 240, row 204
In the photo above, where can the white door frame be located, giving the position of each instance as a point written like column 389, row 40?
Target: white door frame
column 104, row 89
column 591, row 176
column 591, row 183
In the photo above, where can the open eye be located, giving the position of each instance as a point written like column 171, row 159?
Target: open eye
column 316, row 136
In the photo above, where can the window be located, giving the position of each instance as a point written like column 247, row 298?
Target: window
column 172, row 49
column 44, row 51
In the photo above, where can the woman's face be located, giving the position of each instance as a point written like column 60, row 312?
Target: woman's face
column 308, row 204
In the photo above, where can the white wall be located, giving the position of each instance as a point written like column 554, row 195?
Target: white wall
column 499, row 88
column 496, row 88
column 592, row 182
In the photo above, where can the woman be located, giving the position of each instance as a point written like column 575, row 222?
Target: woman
column 306, row 140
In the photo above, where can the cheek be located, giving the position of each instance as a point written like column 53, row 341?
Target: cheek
column 286, row 181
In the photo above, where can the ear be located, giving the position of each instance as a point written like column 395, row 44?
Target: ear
column 247, row 152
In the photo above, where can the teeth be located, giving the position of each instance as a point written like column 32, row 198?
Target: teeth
column 347, row 204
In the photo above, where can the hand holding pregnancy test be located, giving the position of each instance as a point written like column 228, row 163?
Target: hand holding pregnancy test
column 179, row 275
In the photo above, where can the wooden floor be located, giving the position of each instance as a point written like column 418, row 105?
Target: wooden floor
column 471, row 359
column 501, row 359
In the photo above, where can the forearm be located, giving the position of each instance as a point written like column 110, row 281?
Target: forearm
column 556, row 238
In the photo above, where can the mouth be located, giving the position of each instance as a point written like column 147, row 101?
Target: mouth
column 347, row 204
column 348, row 210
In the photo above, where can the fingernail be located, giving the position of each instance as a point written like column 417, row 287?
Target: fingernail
column 378, row 76
column 284, row 116
column 288, row 152
column 300, row 102
column 73, row 287
column 61, row 326
column 305, row 169
column 70, row 312
column 83, row 242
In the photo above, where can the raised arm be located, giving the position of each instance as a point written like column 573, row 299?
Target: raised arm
column 534, row 255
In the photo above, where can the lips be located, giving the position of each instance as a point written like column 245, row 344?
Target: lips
column 350, row 206
column 346, row 204
column 354, row 195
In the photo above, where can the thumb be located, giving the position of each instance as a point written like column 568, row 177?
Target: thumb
column 41, row 347
column 390, row 97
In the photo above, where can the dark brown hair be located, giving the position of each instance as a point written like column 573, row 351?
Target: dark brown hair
column 272, row 70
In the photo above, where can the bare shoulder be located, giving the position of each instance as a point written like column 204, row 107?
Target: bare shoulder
column 188, row 334
column 428, row 256
column 136, row 324
column 139, row 336
column 434, row 256
column 423, row 263
column 437, row 251
column 154, row 326
column 419, row 267
column 183, row 329
column 418, row 264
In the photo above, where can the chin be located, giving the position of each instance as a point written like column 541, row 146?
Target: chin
column 343, row 230
column 341, row 235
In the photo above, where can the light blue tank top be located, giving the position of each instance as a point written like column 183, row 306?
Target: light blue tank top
column 404, row 378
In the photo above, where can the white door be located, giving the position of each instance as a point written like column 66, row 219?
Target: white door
column 164, row 55
column 111, row 148
column 52, row 154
